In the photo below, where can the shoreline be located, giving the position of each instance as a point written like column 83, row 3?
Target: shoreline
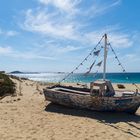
column 80, row 78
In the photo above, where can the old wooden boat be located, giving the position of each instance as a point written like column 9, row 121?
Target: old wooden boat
column 100, row 96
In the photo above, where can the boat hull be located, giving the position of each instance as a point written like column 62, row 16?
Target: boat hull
column 113, row 104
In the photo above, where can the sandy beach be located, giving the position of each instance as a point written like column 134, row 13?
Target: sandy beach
column 28, row 116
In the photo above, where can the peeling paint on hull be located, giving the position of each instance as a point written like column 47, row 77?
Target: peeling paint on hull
column 119, row 104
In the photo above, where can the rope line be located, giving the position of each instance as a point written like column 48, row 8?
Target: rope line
column 124, row 71
column 116, row 57
column 83, row 60
column 95, row 74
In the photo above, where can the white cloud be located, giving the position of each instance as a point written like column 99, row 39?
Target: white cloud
column 65, row 5
column 99, row 8
column 10, row 52
column 62, row 25
column 116, row 37
column 69, row 49
column 5, row 50
column 56, row 50
column 131, row 57
column 65, row 49
column 120, row 40
column 48, row 24
column 29, row 55
column 69, row 27
column 9, row 33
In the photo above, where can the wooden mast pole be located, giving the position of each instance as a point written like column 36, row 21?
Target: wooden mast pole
column 105, row 57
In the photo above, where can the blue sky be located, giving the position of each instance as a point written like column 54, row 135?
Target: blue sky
column 55, row 35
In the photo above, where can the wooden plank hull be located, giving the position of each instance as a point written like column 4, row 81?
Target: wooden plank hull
column 120, row 104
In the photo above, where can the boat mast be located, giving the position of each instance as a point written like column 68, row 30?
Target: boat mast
column 105, row 57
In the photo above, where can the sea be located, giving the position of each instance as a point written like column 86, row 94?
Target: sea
column 81, row 77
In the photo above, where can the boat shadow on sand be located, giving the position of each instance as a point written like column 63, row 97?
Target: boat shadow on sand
column 107, row 118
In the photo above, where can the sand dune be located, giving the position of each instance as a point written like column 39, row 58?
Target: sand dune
column 28, row 117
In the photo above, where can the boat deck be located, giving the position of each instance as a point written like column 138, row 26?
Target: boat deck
column 68, row 90
column 71, row 91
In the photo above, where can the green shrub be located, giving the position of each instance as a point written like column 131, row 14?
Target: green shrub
column 7, row 86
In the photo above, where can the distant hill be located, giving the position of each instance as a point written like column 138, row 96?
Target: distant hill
column 19, row 72
column 16, row 72
column 60, row 72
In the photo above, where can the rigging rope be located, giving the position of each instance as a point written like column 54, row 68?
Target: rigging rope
column 83, row 60
column 124, row 71
column 96, row 54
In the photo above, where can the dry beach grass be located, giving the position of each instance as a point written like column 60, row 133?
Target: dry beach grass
column 27, row 116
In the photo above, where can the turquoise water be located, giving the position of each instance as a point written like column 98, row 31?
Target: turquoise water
column 79, row 77
column 113, row 77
